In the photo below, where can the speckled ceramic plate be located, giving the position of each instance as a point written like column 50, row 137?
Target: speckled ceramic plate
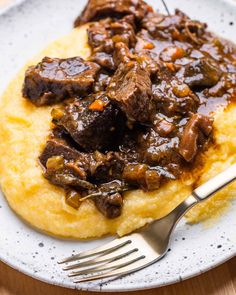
column 5, row 5
column 194, row 249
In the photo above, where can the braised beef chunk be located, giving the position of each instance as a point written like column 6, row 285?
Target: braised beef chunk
column 163, row 127
column 60, row 157
column 124, row 31
column 173, row 96
column 139, row 112
column 148, row 63
column 164, row 27
column 198, row 125
column 174, row 27
column 66, row 174
column 97, row 9
column 107, row 167
column 130, row 88
column 121, row 54
column 226, row 86
column 54, row 79
column 202, row 72
column 58, row 148
column 156, row 150
column 104, row 59
column 103, row 80
column 65, row 165
column 99, row 35
column 94, row 123
column 110, row 205
column 104, row 35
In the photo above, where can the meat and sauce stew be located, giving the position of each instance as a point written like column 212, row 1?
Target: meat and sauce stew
column 138, row 112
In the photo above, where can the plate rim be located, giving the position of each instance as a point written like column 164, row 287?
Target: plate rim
column 112, row 289
column 5, row 9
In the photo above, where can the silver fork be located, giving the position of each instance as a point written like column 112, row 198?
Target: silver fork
column 144, row 247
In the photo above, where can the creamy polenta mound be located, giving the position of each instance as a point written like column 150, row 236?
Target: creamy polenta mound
column 24, row 131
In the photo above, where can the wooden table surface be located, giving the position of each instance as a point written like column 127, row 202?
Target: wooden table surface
column 219, row 281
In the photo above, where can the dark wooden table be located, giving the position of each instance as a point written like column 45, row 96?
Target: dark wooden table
column 219, row 281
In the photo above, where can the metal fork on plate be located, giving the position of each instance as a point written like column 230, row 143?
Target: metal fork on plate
column 144, row 247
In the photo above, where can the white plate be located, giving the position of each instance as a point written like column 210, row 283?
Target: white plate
column 194, row 249
column 5, row 5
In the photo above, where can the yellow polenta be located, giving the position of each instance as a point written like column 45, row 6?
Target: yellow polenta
column 23, row 133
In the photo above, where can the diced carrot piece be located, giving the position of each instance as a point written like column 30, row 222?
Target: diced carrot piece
column 177, row 53
column 148, row 45
column 97, row 105
column 170, row 66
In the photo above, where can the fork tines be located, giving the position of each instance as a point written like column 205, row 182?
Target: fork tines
column 121, row 256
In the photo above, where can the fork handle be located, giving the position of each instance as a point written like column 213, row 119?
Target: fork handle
column 215, row 184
